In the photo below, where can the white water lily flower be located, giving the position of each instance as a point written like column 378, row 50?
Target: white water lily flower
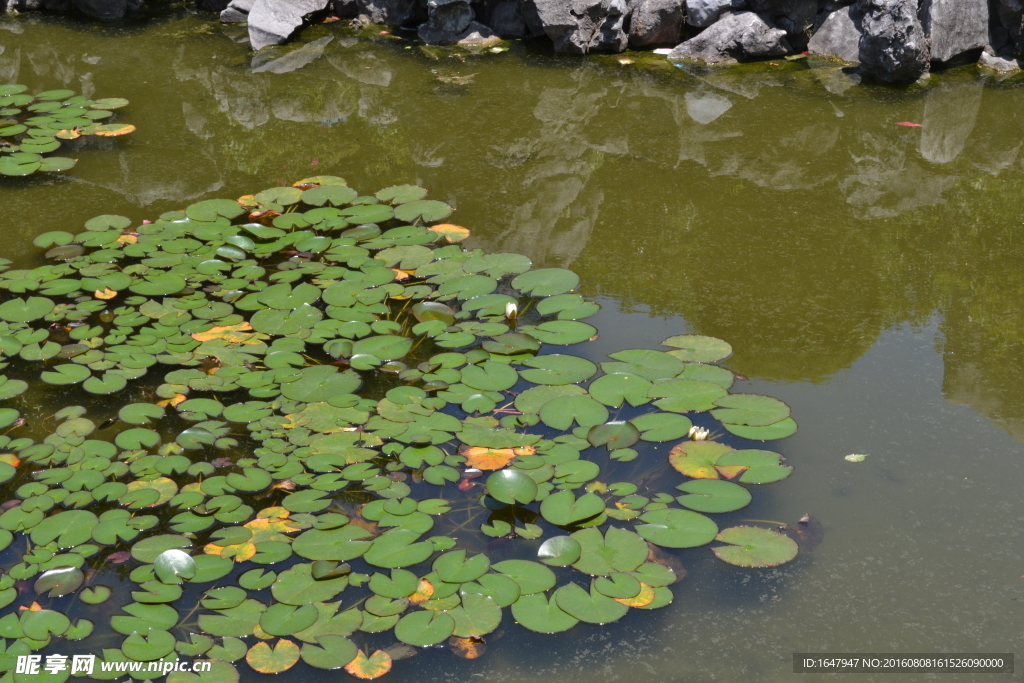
column 511, row 310
column 698, row 433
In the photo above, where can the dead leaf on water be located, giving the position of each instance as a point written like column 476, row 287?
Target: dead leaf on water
column 468, row 648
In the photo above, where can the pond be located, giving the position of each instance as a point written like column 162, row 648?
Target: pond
column 865, row 272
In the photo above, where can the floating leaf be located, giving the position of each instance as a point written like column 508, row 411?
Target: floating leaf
column 560, row 551
column 754, row 547
column 750, row 410
column 537, row 613
column 272, row 660
column 698, row 348
column 713, row 495
column 512, row 486
column 368, row 668
column 677, row 528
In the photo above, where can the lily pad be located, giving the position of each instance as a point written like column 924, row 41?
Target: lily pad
column 754, row 547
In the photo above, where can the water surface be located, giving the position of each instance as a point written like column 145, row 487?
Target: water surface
column 869, row 274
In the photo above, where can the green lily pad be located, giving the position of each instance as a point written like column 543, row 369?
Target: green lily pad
column 559, row 551
column 558, row 369
column 532, row 577
column 537, row 613
column 615, row 435
column 677, row 528
column 698, row 348
column 592, row 607
column 512, row 486
column 547, row 282
column 424, row 628
column 713, row 495
column 772, row 432
column 616, row 550
column 564, row 509
column 754, row 547
column 750, row 410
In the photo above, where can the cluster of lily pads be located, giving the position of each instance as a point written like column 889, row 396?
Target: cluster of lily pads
column 34, row 125
column 319, row 399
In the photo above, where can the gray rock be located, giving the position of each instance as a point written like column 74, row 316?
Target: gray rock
column 236, row 12
column 954, row 27
column 390, row 12
column 478, row 35
column 581, row 26
column 839, row 36
column 740, row 36
column 655, row 22
column 507, row 20
column 997, row 63
column 446, row 21
column 893, row 48
column 104, row 10
column 703, row 13
column 271, row 22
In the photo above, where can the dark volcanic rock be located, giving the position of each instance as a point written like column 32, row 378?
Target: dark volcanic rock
column 893, row 48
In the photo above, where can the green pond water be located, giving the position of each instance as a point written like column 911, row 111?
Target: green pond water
column 871, row 275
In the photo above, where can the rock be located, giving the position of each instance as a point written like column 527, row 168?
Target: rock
column 703, row 13
column 893, row 48
column 655, row 22
column 736, row 37
column 990, row 60
column 478, row 35
column 507, row 20
column 839, row 36
column 1008, row 25
column 390, row 12
column 954, row 27
column 104, row 10
column 792, row 16
column 446, row 21
column 236, row 12
column 581, row 26
column 271, row 22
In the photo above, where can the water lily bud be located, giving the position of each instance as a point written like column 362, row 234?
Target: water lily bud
column 698, row 433
column 511, row 311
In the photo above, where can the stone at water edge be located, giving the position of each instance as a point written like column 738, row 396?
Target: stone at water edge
column 839, row 35
column 893, row 48
column 507, row 20
column 446, row 20
column 954, row 27
column 703, row 13
column 581, row 26
column 236, row 12
column 656, row 22
column 990, row 60
column 271, row 22
column 739, row 36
